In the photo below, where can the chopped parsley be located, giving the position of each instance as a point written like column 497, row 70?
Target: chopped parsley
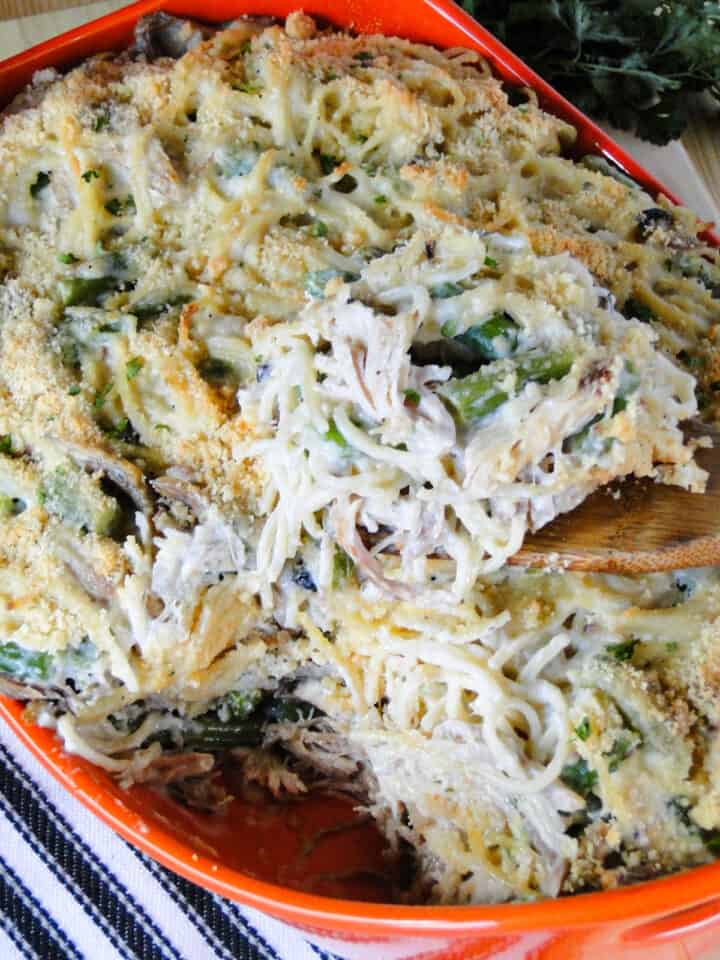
column 119, row 430
column 101, row 121
column 319, row 229
column 6, row 444
column 90, row 175
column 133, row 367
column 623, row 651
column 491, row 262
column 582, row 730
column 74, row 391
column 380, row 199
column 579, row 777
column 68, row 258
column 102, row 394
column 621, row 749
column 117, row 206
column 334, row 435
column 412, row 397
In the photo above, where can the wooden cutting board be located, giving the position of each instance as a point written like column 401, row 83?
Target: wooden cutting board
column 691, row 168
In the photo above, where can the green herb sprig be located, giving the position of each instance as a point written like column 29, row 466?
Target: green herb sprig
column 632, row 62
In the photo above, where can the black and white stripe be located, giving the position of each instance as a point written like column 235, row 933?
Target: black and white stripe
column 75, row 891
column 51, row 837
column 14, row 939
column 43, row 937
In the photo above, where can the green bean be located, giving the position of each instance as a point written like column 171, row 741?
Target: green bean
column 706, row 272
column 492, row 340
column 584, row 441
column 69, row 350
column 443, row 291
column 629, row 383
column 216, row 371
column 343, row 568
column 210, row 733
column 600, row 164
column 73, row 497
column 448, row 352
column 474, row 397
column 82, row 655
column 149, row 309
column 580, row 442
column 635, row 309
column 290, row 710
column 238, row 163
column 23, row 664
column 317, row 280
column 84, row 291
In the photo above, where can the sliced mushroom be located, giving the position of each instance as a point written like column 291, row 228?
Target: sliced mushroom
column 173, row 488
column 23, row 691
column 98, row 587
column 160, row 35
column 122, row 473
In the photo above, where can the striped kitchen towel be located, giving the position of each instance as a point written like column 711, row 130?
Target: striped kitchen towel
column 70, row 889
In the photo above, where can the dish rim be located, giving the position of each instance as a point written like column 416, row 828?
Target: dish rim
column 640, row 902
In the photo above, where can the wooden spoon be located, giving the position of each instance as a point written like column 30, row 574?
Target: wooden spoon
column 649, row 527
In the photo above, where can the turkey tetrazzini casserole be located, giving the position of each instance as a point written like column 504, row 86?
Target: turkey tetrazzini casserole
column 301, row 334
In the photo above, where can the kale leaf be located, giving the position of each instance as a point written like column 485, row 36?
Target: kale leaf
column 632, row 62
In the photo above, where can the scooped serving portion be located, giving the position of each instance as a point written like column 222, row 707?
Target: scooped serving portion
column 302, row 333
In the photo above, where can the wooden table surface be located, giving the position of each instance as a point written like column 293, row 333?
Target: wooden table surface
column 691, row 168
